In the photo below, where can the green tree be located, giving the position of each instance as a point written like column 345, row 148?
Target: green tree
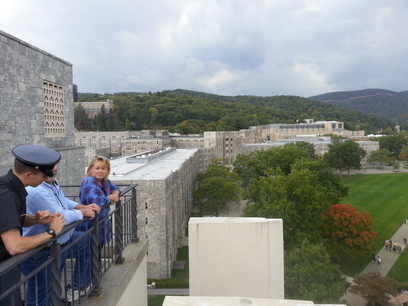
column 345, row 155
column 309, row 275
column 374, row 287
column 101, row 119
column 298, row 198
column 127, row 125
column 154, row 114
column 404, row 153
column 393, row 143
column 81, row 119
column 335, row 190
column 380, row 156
column 307, row 146
column 218, row 189
column 259, row 163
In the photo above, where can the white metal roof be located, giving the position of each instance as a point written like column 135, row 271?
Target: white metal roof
column 157, row 169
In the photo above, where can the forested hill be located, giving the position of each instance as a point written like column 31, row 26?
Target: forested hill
column 379, row 102
column 189, row 112
column 303, row 107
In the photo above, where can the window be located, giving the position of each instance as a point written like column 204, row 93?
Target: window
column 54, row 115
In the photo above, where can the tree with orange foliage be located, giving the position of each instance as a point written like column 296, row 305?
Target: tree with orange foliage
column 374, row 288
column 349, row 231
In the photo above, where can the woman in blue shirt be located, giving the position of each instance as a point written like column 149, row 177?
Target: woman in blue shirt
column 97, row 188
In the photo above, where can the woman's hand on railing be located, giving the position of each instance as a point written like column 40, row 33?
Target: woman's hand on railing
column 95, row 207
column 88, row 213
column 114, row 198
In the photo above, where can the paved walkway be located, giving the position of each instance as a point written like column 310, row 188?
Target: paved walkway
column 176, row 292
column 387, row 261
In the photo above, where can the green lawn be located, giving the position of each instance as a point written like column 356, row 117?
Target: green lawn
column 155, row 300
column 385, row 197
column 179, row 278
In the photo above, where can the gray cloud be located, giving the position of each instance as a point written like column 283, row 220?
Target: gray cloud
column 229, row 47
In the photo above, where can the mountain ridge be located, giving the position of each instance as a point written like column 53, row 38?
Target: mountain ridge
column 379, row 102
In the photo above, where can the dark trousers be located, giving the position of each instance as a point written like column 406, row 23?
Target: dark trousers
column 39, row 287
column 7, row 280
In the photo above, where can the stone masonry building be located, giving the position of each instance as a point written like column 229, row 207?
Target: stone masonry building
column 36, row 105
column 166, row 179
column 93, row 108
column 225, row 145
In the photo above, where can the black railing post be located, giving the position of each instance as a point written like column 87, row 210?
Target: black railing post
column 56, row 274
column 95, row 258
column 119, row 233
column 134, row 215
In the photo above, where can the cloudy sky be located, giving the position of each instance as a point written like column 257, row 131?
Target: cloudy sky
column 225, row 47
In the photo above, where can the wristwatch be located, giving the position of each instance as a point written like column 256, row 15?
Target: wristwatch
column 51, row 232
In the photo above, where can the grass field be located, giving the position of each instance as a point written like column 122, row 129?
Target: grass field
column 179, row 278
column 385, row 197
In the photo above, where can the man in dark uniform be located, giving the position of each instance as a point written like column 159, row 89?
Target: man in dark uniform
column 32, row 165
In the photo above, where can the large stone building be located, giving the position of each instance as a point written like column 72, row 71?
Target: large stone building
column 166, row 180
column 278, row 132
column 36, row 105
column 94, row 108
column 225, row 145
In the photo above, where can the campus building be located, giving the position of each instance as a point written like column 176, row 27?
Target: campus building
column 225, row 145
column 279, row 132
column 94, row 108
column 165, row 181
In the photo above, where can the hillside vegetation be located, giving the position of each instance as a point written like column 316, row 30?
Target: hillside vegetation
column 383, row 103
column 186, row 112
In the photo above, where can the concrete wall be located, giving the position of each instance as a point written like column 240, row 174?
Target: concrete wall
column 229, row 301
column 236, row 257
column 125, row 284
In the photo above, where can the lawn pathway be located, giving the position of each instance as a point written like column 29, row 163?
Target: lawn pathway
column 387, row 261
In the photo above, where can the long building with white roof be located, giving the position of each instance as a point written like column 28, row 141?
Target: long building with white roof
column 165, row 181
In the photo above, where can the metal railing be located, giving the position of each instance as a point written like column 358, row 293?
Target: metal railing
column 60, row 268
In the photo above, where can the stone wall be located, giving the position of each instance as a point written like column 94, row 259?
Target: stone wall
column 163, row 209
column 24, row 73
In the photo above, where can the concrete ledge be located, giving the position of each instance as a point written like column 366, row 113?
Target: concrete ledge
column 229, row 301
column 234, row 301
column 116, row 280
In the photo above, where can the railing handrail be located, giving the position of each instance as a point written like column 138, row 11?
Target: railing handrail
column 124, row 218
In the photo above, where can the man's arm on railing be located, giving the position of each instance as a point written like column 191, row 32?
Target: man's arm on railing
column 16, row 244
column 42, row 217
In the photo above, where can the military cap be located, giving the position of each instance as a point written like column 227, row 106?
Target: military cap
column 37, row 157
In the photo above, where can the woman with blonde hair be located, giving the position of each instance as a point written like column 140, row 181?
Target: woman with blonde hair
column 97, row 188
